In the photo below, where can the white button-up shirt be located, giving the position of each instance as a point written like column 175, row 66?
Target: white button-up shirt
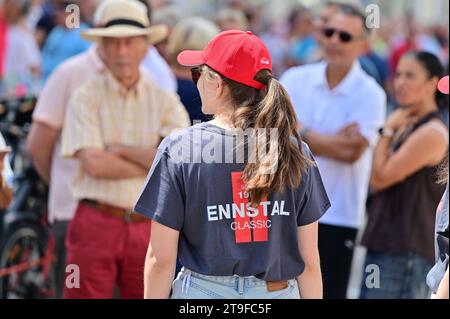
column 358, row 98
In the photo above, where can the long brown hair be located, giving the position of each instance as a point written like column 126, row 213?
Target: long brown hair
column 443, row 171
column 267, row 108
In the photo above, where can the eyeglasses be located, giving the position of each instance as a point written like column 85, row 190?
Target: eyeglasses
column 344, row 36
column 196, row 73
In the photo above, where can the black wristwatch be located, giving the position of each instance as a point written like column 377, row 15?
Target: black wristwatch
column 386, row 132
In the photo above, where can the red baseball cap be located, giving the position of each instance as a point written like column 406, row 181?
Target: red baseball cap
column 237, row 55
column 443, row 85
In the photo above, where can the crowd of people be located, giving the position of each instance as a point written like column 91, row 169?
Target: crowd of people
column 360, row 106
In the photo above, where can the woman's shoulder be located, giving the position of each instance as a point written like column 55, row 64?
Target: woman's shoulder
column 434, row 128
column 430, row 138
column 437, row 124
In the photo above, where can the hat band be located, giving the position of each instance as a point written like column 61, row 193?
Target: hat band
column 124, row 22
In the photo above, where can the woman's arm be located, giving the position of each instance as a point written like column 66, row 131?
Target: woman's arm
column 425, row 147
column 442, row 292
column 160, row 262
column 310, row 281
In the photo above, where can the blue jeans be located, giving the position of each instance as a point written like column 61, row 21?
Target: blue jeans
column 191, row 285
column 401, row 276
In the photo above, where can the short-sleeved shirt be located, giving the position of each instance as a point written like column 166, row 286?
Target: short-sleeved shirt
column 358, row 98
column 103, row 112
column 195, row 187
column 442, row 242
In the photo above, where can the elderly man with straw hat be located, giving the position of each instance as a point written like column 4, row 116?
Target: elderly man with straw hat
column 113, row 126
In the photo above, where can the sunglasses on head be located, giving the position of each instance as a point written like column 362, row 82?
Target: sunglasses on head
column 196, row 73
column 344, row 36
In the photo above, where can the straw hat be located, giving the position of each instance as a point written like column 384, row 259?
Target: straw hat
column 125, row 18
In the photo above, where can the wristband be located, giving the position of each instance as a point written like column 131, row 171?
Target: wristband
column 386, row 132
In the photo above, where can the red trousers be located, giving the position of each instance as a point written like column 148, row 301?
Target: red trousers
column 109, row 252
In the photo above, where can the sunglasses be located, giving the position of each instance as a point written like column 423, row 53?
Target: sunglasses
column 196, row 74
column 344, row 36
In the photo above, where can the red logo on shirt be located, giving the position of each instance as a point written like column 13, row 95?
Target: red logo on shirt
column 243, row 231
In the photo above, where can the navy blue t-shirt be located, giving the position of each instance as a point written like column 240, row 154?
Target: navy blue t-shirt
column 195, row 187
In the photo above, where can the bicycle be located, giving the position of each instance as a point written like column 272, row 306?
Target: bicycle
column 26, row 246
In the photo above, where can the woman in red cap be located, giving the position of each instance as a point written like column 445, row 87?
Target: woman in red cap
column 237, row 199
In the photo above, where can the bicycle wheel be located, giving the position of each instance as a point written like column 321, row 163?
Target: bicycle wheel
column 23, row 263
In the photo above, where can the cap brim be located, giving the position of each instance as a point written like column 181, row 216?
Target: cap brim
column 190, row 58
column 155, row 33
column 443, row 85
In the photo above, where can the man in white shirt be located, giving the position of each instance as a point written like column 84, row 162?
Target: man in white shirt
column 340, row 109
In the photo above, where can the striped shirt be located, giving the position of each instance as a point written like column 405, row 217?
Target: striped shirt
column 103, row 112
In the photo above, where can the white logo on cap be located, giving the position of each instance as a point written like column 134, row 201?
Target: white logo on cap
column 265, row 60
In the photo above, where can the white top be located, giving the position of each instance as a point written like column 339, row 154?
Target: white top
column 160, row 70
column 358, row 98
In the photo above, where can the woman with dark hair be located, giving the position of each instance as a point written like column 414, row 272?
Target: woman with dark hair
column 412, row 145
column 241, row 209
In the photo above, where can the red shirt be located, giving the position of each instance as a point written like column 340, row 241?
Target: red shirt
column 3, row 34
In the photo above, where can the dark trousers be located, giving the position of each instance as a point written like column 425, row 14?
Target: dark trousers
column 336, row 245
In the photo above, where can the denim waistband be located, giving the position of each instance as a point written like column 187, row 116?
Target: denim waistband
column 232, row 281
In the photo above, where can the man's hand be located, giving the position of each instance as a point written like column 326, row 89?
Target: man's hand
column 350, row 130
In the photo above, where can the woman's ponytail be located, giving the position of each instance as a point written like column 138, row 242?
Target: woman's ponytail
column 282, row 160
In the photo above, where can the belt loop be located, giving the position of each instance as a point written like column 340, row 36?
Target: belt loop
column 128, row 213
column 241, row 285
column 186, row 282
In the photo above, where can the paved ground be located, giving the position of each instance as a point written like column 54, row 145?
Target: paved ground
column 357, row 269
